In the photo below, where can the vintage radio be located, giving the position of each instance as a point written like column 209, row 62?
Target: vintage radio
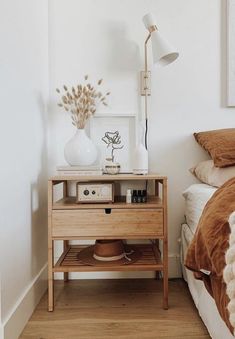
column 99, row 192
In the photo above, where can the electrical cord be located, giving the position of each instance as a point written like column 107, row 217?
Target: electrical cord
column 146, row 134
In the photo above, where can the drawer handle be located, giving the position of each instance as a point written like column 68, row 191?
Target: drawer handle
column 108, row 210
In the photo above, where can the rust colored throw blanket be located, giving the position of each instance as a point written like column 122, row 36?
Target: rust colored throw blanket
column 206, row 253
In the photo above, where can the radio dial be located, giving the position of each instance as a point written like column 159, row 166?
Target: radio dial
column 86, row 192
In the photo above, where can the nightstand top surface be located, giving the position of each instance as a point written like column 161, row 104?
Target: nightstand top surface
column 109, row 177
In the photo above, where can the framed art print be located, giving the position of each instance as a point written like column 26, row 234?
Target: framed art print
column 123, row 126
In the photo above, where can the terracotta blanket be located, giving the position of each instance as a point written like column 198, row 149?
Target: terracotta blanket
column 206, row 254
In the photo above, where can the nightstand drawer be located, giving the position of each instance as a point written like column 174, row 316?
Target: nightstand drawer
column 107, row 222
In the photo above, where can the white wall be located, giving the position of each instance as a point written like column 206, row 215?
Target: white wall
column 23, row 133
column 102, row 38
column 105, row 38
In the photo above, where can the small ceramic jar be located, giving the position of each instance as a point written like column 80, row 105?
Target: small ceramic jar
column 111, row 167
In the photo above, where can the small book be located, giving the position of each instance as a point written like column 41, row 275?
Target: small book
column 79, row 168
column 71, row 173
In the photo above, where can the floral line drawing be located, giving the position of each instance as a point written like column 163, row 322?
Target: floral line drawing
column 113, row 139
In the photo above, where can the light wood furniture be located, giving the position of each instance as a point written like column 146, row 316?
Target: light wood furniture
column 69, row 221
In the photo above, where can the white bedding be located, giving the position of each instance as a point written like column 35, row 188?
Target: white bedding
column 196, row 197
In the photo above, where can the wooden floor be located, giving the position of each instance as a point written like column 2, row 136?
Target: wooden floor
column 116, row 309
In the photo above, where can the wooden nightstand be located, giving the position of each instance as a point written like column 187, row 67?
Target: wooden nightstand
column 68, row 220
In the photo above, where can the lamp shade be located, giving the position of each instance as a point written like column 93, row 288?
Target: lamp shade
column 163, row 52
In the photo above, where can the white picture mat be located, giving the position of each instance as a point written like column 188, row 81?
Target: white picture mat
column 231, row 52
column 126, row 125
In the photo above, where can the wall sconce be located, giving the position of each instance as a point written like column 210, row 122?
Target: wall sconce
column 163, row 54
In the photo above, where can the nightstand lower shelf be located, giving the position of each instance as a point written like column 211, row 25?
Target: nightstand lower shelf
column 149, row 261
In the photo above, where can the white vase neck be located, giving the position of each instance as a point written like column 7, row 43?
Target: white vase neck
column 81, row 130
column 81, row 133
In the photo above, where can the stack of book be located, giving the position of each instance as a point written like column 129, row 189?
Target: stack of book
column 79, row 170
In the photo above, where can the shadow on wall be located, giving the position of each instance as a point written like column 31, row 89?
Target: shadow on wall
column 124, row 53
column 185, row 154
column 39, row 202
column 174, row 158
column 124, row 56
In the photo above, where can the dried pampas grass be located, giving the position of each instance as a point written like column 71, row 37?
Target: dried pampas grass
column 81, row 101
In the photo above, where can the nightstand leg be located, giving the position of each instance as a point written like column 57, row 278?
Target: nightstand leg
column 66, row 274
column 157, row 251
column 50, row 277
column 65, row 242
column 165, row 275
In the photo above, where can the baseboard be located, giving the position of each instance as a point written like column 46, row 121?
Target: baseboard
column 174, row 272
column 24, row 307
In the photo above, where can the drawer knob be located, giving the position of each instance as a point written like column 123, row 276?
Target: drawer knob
column 108, row 210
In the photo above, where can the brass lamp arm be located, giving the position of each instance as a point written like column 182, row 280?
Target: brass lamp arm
column 146, row 54
column 151, row 30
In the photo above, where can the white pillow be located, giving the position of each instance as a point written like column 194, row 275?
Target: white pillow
column 206, row 172
column 196, row 197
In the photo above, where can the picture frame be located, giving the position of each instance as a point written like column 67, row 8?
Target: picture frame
column 230, row 53
column 125, row 124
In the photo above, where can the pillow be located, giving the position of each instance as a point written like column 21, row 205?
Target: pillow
column 206, row 172
column 220, row 144
column 196, row 197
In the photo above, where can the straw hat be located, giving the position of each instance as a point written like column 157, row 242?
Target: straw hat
column 109, row 253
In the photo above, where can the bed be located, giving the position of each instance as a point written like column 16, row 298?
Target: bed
column 196, row 197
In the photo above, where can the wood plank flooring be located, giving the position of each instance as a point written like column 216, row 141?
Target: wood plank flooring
column 130, row 309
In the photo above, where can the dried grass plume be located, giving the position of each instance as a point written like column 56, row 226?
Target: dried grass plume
column 81, row 101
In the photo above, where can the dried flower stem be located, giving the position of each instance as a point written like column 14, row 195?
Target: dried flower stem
column 112, row 139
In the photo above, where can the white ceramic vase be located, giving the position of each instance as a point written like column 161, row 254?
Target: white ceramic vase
column 80, row 150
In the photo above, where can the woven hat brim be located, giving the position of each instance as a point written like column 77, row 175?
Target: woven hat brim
column 86, row 256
